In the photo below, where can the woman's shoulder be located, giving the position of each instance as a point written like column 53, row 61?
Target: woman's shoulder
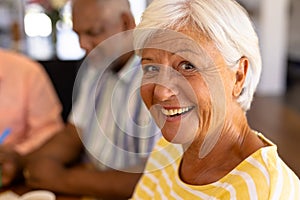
column 265, row 169
column 267, row 159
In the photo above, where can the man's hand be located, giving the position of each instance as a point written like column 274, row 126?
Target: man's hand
column 11, row 165
column 45, row 173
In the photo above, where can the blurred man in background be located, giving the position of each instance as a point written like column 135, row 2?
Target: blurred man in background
column 108, row 119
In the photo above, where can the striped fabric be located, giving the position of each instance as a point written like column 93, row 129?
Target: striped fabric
column 117, row 129
column 263, row 175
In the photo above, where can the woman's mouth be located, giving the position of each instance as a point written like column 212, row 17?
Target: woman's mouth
column 176, row 112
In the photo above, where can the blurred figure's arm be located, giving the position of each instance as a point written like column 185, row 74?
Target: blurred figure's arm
column 48, row 169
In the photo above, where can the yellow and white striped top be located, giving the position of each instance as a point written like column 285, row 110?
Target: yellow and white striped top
column 263, row 175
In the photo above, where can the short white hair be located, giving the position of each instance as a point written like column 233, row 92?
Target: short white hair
column 225, row 22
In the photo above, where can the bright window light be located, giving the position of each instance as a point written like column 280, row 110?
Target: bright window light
column 37, row 24
column 137, row 8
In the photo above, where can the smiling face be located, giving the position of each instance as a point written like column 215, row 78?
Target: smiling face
column 183, row 86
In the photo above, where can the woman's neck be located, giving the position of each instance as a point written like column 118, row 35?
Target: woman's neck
column 235, row 143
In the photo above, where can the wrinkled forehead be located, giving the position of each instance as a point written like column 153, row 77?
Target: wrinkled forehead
column 184, row 44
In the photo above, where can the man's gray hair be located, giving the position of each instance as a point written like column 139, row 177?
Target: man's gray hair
column 225, row 22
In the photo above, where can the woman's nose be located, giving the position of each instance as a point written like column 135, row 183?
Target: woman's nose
column 165, row 87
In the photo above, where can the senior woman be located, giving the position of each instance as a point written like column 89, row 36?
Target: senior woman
column 201, row 65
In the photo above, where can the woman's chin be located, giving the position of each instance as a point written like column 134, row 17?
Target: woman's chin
column 177, row 138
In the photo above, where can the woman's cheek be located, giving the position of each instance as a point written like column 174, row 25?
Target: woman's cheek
column 146, row 94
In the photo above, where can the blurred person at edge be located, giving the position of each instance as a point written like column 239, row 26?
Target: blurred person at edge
column 30, row 111
column 109, row 148
column 201, row 64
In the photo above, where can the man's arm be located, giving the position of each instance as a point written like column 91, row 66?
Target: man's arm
column 48, row 169
column 64, row 147
column 110, row 184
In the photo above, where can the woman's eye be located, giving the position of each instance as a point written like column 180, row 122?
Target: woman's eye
column 150, row 68
column 187, row 66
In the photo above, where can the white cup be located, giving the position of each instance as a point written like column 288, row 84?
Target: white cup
column 38, row 195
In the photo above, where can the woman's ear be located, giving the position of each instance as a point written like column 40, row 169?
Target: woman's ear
column 128, row 21
column 240, row 76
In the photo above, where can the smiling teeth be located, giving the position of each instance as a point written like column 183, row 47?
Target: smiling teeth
column 171, row 112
